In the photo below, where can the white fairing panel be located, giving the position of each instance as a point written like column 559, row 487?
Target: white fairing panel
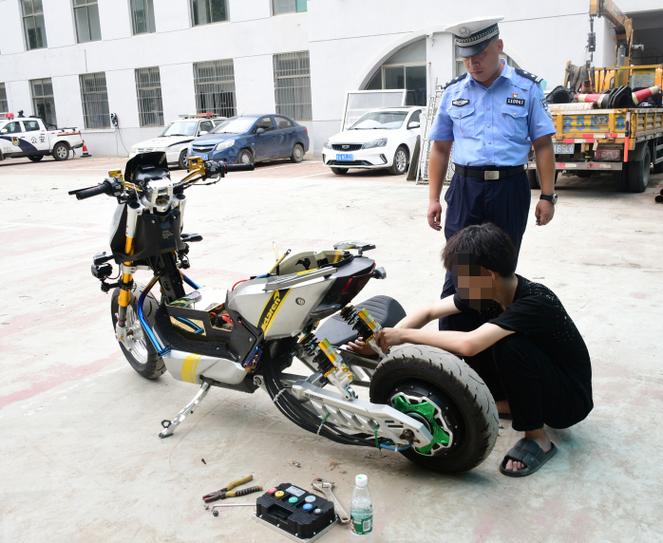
column 279, row 313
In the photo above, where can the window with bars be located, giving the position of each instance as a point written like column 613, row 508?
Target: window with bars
column 95, row 100
column 208, row 11
column 86, row 15
column 214, row 84
column 33, row 24
column 43, row 102
column 148, row 92
column 142, row 16
column 4, row 105
column 288, row 6
column 292, row 85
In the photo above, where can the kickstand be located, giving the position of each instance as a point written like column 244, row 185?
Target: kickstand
column 170, row 425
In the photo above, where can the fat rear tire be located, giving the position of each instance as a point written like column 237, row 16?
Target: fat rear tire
column 340, row 171
column 60, row 151
column 35, row 158
column 469, row 407
column 148, row 365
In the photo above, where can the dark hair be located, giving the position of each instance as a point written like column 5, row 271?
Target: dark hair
column 484, row 245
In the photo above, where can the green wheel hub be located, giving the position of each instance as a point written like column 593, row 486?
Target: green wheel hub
column 429, row 413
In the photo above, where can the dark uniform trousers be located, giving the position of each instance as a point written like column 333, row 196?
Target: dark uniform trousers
column 471, row 200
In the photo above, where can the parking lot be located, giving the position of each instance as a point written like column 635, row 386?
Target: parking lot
column 81, row 460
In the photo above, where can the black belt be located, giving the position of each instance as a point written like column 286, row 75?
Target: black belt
column 489, row 173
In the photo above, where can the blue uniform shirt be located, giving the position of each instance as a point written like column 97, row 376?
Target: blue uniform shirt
column 492, row 126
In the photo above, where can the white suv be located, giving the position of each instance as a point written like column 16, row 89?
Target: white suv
column 382, row 138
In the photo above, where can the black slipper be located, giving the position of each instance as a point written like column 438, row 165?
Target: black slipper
column 528, row 452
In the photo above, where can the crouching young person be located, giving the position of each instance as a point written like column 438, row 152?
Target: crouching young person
column 525, row 346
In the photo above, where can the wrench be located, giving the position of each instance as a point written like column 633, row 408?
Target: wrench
column 215, row 508
column 327, row 487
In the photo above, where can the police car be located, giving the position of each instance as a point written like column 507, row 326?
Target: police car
column 28, row 137
column 381, row 138
column 175, row 139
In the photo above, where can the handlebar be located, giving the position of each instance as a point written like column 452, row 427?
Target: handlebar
column 240, row 167
column 212, row 168
column 106, row 187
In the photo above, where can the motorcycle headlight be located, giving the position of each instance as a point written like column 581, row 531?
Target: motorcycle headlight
column 225, row 144
column 375, row 143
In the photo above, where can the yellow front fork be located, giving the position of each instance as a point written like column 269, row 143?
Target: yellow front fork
column 126, row 283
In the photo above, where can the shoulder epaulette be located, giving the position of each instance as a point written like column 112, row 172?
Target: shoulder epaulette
column 527, row 75
column 454, row 81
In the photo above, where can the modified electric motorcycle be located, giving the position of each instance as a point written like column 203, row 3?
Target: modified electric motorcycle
column 424, row 403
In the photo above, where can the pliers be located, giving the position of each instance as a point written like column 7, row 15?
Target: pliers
column 228, row 492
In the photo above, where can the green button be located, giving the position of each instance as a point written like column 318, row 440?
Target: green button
column 292, row 500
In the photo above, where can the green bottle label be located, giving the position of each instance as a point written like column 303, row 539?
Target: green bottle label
column 362, row 523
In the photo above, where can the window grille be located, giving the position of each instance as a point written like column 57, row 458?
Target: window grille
column 214, row 84
column 148, row 92
column 95, row 100
column 292, row 85
column 4, row 105
column 43, row 102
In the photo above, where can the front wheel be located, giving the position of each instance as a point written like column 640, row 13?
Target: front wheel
column 181, row 161
column 448, row 397
column 339, row 171
column 245, row 157
column 138, row 351
column 35, row 158
column 401, row 161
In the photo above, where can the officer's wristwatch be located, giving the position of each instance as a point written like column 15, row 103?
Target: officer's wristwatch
column 552, row 198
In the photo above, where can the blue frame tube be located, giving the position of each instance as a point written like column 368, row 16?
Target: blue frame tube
column 154, row 340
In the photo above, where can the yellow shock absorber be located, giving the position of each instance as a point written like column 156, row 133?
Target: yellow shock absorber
column 125, row 293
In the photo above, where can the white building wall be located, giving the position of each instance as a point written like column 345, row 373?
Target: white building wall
column 254, row 84
column 347, row 41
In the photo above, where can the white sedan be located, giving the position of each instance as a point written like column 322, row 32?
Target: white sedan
column 382, row 138
column 175, row 139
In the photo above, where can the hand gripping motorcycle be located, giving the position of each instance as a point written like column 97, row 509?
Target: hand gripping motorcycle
column 422, row 402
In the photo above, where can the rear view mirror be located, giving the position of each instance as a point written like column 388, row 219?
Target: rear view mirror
column 203, row 132
column 260, row 130
column 3, row 131
column 413, row 124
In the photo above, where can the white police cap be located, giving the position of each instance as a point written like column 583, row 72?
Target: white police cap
column 473, row 36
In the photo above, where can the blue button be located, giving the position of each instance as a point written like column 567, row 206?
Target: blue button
column 307, row 507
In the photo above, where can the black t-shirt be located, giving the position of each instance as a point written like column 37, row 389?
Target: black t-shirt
column 537, row 313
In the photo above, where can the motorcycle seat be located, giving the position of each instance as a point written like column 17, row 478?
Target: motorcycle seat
column 387, row 311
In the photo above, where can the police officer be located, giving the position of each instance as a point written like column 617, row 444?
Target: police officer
column 493, row 115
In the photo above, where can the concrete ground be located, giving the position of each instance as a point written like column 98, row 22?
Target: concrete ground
column 80, row 456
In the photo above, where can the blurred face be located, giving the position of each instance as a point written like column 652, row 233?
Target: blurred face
column 474, row 283
column 484, row 67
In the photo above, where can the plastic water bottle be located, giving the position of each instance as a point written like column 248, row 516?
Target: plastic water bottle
column 361, row 511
